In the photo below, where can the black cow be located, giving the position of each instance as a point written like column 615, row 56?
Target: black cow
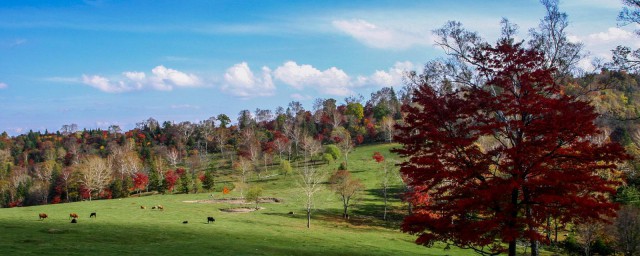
column 74, row 220
column 93, row 214
column 210, row 219
column 185, row 222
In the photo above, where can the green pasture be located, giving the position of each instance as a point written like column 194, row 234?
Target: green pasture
column 122, row 227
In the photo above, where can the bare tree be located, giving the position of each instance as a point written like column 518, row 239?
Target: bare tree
column 95, row 174
column 627, row 230
column 131, row 164
column 344, row 142
column 173, row 156
column 67, row 178
column 310, row 182
column 388, row 125
column 243, row 166
column 587, row 233
column 282, row 145
column 311, row 147
column 221, row 136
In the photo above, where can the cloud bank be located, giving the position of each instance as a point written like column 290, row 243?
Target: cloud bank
column 161, row 78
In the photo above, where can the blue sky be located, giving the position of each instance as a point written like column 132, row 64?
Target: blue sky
column 98, row 63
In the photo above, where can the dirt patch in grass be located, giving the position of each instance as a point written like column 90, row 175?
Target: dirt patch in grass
column 235, row 200
column 241, row 209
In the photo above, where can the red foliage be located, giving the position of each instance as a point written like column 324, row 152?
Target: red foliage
column 85, row 193
column 359, row 139
column 106, row 194
column 170, row 179
column 15, row 204
column 490, row 195
column 378, row 157
column 140, row 180
column 181, row 171
column 56, row 200
column 225, row 191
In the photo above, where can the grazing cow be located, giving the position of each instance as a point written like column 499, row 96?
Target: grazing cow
column 291, row 213
column 142, row 207
column 210, row 219
column 73, row 215
column 93, row 214
column 185, row 222
column 74, row 220
column 160, row 207
column 43, row 216
column 153, row 207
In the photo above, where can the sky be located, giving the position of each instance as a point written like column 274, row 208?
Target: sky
column 97, row 63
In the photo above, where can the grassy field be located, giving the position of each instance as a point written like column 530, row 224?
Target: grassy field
column 121, row 227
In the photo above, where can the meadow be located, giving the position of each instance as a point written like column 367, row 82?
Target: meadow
column 122, row 227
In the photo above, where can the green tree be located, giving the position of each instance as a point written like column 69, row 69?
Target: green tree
column 208, row 181
column 333, row 150
column 254, row 194
column 285, row 167
column 185, row 182
column 224, row 120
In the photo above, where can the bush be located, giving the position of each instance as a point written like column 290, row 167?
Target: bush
column 333, row 150
column 571, row 246
column 327, row 158
column 254, row 194
column 285, row 167
column 343, row 166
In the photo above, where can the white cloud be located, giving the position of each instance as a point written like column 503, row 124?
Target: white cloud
column 296, row 75
column 105, row 85
column 167, row 76
column 601, row 43
column 161, row 78
column 393, row 77
column 382, row 37
column 3, row 85
column 332, row 81
column 240, row 81
column 612, row 34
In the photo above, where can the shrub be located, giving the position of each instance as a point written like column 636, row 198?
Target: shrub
column 327, row 158
column 285, row 167
column 333, row 150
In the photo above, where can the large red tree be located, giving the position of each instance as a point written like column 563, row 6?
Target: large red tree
column 489, row 164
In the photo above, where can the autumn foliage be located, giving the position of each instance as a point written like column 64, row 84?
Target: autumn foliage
column 490, row 164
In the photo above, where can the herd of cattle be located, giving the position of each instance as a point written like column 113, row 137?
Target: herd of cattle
column 74, row 216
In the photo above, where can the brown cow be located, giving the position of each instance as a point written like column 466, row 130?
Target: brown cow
column 73, row 215
column 142, row 207
column 43, row 216
column 160, row 207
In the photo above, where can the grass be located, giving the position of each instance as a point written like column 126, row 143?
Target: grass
column 121, row 227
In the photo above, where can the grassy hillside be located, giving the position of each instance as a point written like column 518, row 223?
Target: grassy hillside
column 122, row 227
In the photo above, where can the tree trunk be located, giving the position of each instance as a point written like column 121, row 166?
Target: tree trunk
column 534, row 248
column 308, row 217
column 512, row 248
column 514, row 215
column 384, row 217
column 344, row 213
